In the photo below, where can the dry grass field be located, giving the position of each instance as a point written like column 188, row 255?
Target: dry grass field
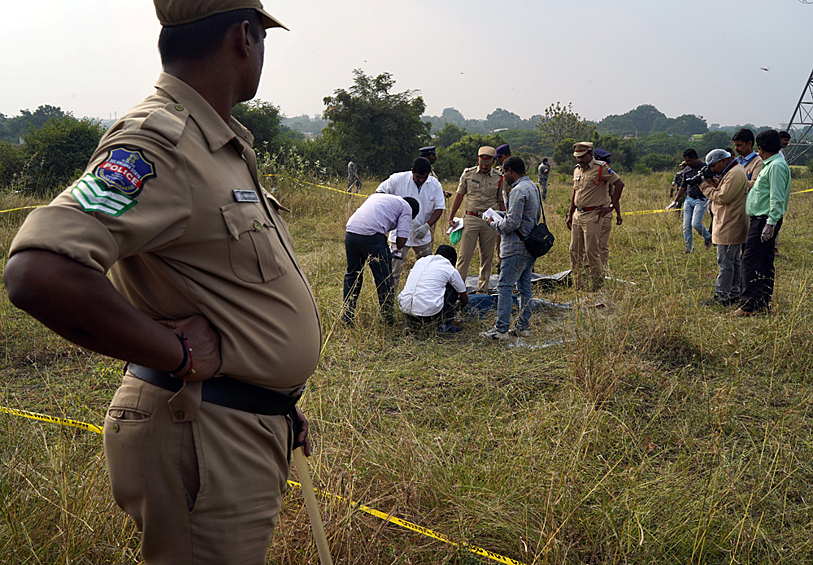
column 656, row 431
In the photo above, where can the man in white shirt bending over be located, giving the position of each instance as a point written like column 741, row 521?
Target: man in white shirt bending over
column 428, row 192
column 432, row 289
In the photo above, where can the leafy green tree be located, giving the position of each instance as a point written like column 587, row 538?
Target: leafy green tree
column 264, row 121
column 664, row 144
column 59, row 151
column 623, row 150
column 659, row 162
column 453, row 159
column 449, row 135
column 499, row 119
column 383, row 130
column 635, row 122
column 561, row 122
column 563, row 155
column 524, row 141
column 713, row 140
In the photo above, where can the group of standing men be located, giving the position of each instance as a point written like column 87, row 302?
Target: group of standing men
column 749, row 199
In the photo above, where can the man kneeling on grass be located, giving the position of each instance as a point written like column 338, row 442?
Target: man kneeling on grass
column 431, row 291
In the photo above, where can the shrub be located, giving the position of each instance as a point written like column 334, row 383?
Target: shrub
column 12, row 163
column 59, row 151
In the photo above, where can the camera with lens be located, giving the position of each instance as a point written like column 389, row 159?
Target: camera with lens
column 707, row 173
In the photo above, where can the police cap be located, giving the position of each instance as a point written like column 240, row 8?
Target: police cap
column 177, row 12
column 503, row 149
column 581, row 148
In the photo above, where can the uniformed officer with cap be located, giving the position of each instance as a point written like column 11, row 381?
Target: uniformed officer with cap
column 596, row 189
column 604, row 156
column 206, row 300
column 480, row 185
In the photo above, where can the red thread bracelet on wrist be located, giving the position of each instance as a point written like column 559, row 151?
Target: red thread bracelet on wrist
column 187, row 357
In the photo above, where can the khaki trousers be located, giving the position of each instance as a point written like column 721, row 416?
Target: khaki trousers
column 476, row 230
column 585, row 241
column 204, row 483
column 398, row 264
column 604, row 239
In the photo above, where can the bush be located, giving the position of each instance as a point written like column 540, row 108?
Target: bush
column 59, row 151
column 658, row 162
column 641, row 168
column 12, row 163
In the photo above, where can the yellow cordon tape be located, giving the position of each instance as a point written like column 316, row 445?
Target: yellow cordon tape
column 23, row 208
column 52, row 420
column 326, row 187
column 372, row 511
column 415, row 527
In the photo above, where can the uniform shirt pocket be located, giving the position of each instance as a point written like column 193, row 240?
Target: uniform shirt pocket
column 252, row 237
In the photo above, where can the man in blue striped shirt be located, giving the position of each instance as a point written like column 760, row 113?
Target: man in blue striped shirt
column 524, row 209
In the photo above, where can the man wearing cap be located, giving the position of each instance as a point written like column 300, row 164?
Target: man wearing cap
column 206, row 300
column 727, row 195
column 481, row 186
column 543, row 172
column 426, row 189
column 744, row 146
column 603, row 156
column 596, row 189
column 353, row 180
column 766, row 206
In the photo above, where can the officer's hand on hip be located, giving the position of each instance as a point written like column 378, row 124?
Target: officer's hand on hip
column 204, row 344
column 302, row 437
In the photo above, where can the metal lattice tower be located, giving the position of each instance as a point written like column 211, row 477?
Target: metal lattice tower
column 800, row 126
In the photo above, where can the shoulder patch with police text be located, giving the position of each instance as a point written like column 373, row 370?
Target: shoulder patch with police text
column 125, row 170
column 94, row 196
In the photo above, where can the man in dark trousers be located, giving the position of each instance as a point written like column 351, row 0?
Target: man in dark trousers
column 766, row 206
column 365, row 243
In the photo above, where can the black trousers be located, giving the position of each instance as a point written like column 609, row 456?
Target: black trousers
column 375, row 251
column 445, row 316
column 757, row 267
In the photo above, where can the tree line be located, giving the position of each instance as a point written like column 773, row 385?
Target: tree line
column 382, row 129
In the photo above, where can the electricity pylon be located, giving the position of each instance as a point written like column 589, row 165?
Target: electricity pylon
column 801, row 125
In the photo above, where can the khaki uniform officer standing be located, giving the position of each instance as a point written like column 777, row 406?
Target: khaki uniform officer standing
column 593, row 182
column 208, row 303
column 481, row 186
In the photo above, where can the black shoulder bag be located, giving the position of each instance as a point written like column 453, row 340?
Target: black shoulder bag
column 540, row 240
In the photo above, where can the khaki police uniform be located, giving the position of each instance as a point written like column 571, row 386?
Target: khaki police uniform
column 171, row 205
column 590, row 233
column 482, row 192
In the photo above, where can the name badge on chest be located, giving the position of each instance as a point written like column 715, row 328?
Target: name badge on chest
column 245, row 196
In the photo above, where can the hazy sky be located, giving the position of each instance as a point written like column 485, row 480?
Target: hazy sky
column 99, row 57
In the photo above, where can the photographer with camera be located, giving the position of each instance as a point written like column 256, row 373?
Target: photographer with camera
column 727, row 196
column 694, row 207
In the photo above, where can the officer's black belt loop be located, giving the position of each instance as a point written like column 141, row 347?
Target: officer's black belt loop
column 225, row 391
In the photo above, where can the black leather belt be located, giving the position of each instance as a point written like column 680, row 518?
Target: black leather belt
column 225, row 391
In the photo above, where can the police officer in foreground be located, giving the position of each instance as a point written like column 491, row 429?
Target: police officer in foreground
column 206, row 300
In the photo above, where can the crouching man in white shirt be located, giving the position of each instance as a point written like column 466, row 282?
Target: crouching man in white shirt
column 431, row 291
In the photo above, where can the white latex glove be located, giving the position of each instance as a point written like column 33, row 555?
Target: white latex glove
column 767, row 233
column 421, row 231
column 672, row 204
